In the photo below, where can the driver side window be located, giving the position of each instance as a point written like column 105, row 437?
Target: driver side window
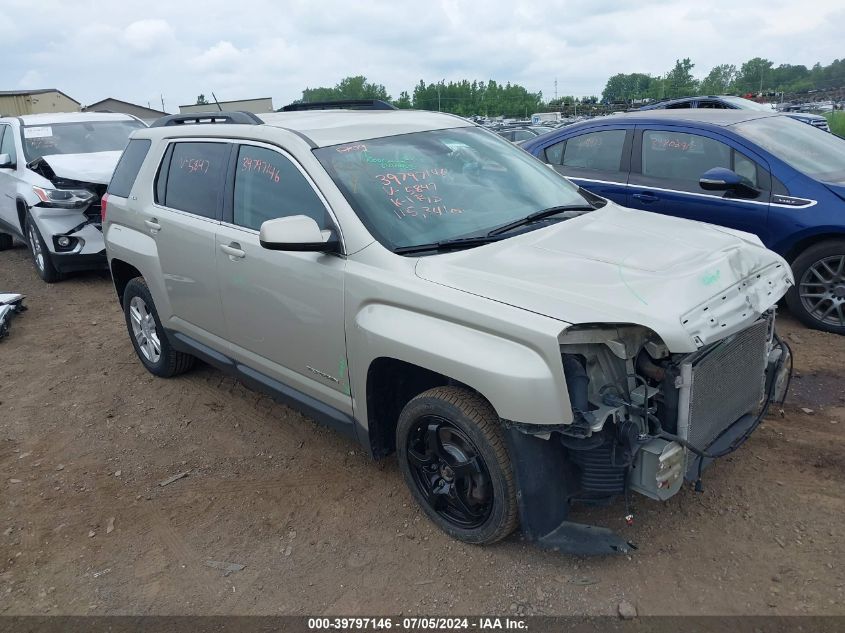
column 269, row 186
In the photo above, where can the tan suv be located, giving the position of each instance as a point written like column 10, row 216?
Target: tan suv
column 424, row 286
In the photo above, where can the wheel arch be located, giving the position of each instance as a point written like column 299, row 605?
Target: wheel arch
column 522, row 381
column 122, row 273
column 22, row 207
column 391, row 384
column 802, row 244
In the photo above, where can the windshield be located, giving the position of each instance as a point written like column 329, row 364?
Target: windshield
column 748, row 104
column 818, row 154
column 76, row 138
column 439, row 185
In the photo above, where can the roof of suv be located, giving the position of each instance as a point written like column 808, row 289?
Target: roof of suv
column 71, row 117
column 332, row 127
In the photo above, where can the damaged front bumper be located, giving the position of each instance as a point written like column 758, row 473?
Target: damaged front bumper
column 74, row 237
column 550, row 476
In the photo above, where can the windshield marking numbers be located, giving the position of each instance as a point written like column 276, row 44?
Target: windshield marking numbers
column 418, row 191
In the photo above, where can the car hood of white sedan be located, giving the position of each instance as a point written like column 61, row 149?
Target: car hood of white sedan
column 691, row 283
column 94, row 167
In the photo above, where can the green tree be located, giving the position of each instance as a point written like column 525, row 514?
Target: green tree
column 625, row 88
column 201, row 100
column 347, row 88
column 404, row 101
column 467, row 98
column 753, row 74
column 679, row 80
column 720, row 80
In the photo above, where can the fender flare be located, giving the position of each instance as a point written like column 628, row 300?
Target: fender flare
column 523, row 383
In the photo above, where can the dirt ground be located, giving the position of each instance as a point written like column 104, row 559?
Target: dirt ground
column 86, row 435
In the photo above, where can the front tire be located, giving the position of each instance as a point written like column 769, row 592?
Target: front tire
column 818, row 298
column 452, row 454
column 40, row 253
column 148, row 336
column 6, row 241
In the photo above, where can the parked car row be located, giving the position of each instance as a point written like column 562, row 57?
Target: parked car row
column 729, row 102
column 518, row 133
column 418, row 283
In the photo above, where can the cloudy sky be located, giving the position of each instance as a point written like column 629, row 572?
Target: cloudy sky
column 139, row 51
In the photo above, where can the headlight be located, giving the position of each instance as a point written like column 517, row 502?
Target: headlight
column 64, row 198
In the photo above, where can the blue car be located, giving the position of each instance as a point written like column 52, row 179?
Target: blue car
column 764, row 173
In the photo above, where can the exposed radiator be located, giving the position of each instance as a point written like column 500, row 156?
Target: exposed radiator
column 721, row 383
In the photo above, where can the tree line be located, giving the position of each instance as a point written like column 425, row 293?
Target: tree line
column 757, row 75
column 464, row 97
column 490, row 98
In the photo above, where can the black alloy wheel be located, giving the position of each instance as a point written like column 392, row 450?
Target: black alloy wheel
column 450, row 472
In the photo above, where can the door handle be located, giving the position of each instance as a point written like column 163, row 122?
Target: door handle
column 153, row 225
column 233, row 250
column 645, row 197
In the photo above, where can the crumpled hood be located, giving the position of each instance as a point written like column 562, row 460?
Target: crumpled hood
column 690, row 282
column 94, row 167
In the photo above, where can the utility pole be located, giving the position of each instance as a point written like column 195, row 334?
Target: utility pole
column 162, row 103
column 555, row 88
column 438, row 97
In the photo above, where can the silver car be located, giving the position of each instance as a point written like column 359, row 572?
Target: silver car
column 427, row 288
column 53, row 170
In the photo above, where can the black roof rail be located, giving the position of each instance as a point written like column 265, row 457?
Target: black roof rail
column 239, row 117
column 341, row 104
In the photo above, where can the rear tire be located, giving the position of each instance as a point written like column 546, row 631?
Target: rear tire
column 818, row 297
column 452, row 454
column 40, row 253
column 148, row 336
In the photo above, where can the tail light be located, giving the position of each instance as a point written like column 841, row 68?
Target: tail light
column 103, row 202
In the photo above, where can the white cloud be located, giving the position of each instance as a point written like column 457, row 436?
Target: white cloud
column 139, row 50
column 31, row 79
column 148, row 35
column 222, row 57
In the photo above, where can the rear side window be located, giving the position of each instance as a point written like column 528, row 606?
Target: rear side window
column 682, row 157
column 195, row 178
column 599, row 151
column 268, row 186
column 128, row 167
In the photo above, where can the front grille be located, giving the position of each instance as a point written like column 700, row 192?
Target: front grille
column 726, row 382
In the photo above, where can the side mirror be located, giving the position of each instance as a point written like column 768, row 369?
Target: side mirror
column 6, row 161
column 297, row 233
column 724, row 179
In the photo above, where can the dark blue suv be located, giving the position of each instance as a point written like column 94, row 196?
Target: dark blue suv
column 764, row 173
